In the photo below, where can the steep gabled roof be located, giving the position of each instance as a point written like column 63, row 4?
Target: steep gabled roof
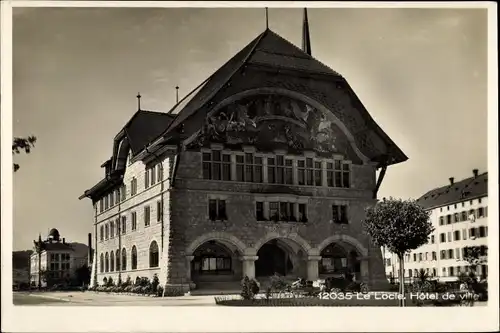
column 267, row 49
column 466, row 189
column 144, row 127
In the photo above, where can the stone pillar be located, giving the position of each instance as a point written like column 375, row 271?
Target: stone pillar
column 312, row 267
column 188, row 268
column 249, row 266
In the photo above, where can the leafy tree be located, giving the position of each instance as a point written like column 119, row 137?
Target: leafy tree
column 22, row 144
column 473, row 255
column 83, row 275
column 400, row 226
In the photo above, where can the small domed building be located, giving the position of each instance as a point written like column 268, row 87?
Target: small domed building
column 266, row 167
column 54, row 260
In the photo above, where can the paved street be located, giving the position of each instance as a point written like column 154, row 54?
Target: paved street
column 94, row 299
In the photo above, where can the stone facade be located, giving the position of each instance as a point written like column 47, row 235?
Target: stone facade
column 220, row 228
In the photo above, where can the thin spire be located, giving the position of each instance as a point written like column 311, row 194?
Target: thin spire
column 267, row 19
column 138, row 101
column 306, row 40
column 176, row 94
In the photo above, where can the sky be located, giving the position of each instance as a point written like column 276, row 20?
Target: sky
column 421, row 74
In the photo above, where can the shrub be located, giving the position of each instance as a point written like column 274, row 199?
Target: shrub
column 159, row 291
column 278, row 283
column 249, row 288
column 155, row 283
column 128, row 281
column 128, row 288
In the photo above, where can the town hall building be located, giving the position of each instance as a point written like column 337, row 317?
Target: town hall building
column 265, row 168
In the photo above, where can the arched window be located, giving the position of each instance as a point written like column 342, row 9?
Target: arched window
column 134, row 257
column 117, row 259
column 106, row 231
column 102, row 263
column 112, row 261
column 106, row 262
column 124, row 259
column 154, row 256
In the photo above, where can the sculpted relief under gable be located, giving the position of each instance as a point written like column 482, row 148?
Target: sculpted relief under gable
column 273, row 122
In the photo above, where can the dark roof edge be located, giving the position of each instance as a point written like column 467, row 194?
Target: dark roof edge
column 477, row 196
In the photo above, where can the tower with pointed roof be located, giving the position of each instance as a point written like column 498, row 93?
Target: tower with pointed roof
column 265, row 168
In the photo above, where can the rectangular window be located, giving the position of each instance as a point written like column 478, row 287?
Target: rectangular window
column 441, row 220
column 452, row 271
column 216, row 165
column 338, row 174
column 146, row 179
column 414, row 257
column 147, row 216
column 432, row 239
column 420, row 257
column 111, row 200
column 443, row 254
column 302, row 213
column 464, row 216
column 472, row 232
column 434, row 257
column 309, row 171
column 442, row 238
column 450, row 254
column 106, row 202
column 457, row 253
column 240, row 168
column 274, row 211
column 259, row 211
column 301, row 172
column 159, row 171
column 318, row 179
column 102, row 233
column 226, row 167
column 464, row 234
column 457, row 217
column 448, row 219
column 345, row 175
column 134, row 221
column 339, row 214
column 329, row 174
column 456, row 235
column 153, row 175
column 288, row 172
column 207, row 166
column 159, row 211
column 217, row 209
column 124, row 224
column 257, row 169
column 482, row 232
column 280, row 170
column 271, row 170
column 101, row 205
column 133, row 186
column 117, row 196
column 480, row 212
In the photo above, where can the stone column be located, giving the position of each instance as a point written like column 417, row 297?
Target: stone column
column 312, row 267
column 249, row 266
column 188, row 268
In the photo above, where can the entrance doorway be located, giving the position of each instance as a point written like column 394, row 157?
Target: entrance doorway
column 272, row 260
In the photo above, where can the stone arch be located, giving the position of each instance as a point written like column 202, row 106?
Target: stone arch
column 302, row 97
column 363, row 251
column 216, row 236
column 303, row 244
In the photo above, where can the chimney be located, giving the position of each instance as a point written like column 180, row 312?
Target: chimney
column 90, row 248
column 475, row 172
column 452, row 180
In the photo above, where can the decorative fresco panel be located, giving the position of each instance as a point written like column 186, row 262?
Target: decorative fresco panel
column 274, row 121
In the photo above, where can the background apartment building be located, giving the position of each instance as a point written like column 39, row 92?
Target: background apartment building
column 459, row 214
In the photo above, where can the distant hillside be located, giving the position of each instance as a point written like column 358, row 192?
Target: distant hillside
column 21, row 259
